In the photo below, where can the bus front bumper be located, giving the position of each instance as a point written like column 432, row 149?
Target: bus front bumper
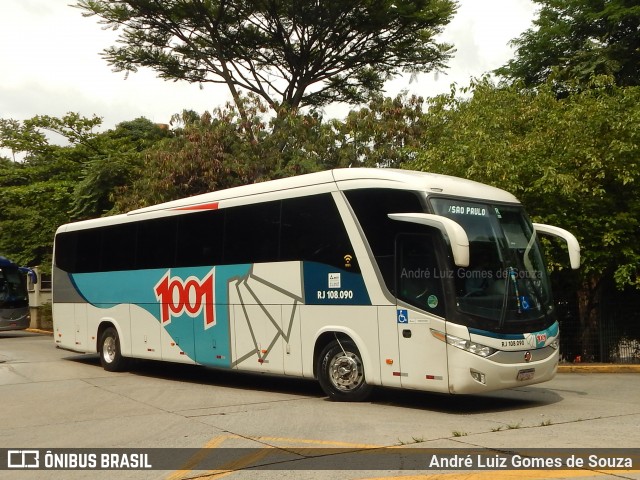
column 20, row 323
column 469, row 373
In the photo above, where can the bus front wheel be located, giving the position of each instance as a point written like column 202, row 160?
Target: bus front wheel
column 341, row 372
column 110, row 357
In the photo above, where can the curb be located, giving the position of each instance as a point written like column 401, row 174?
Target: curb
column 37, row 330
column 599, row 368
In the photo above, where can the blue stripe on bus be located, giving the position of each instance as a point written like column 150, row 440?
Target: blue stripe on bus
column 550, row 332
column 500, row 336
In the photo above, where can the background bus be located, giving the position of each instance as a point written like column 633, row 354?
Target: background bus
column 356, row 277
column 14, row 298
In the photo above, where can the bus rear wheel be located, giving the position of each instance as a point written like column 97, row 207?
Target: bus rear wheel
column 341, row 372
column 111, row 358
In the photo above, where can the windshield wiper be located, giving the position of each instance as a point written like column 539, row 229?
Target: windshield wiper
column 514, row 279
column 511, row 277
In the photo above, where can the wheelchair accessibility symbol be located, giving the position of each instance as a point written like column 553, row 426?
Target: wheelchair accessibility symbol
column 403, row 316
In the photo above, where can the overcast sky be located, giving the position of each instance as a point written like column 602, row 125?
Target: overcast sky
column 50, row 62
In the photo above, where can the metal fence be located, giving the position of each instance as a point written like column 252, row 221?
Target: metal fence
column 616, row 339
column 614, row 345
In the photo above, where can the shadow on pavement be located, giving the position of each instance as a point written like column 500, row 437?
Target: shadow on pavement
column 505, row 400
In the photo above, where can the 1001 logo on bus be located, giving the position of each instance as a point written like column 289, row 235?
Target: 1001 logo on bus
column 190, row 296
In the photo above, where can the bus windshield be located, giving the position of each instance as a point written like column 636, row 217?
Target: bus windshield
column 505, row 285
column 13, row 288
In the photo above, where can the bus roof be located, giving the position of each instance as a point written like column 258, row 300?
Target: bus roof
column 347, row 178
column 5, row 262
column 337, row 179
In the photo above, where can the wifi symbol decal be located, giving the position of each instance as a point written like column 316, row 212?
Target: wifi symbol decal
column 347, row 261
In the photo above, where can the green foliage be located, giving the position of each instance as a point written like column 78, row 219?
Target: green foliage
column 72, row 127
column 289, row 53
column 213, row 151
column 110, row 164
column 573, row 162
column 21, row 138
column 386, row 133
column 54, row 185
column 36, row 193
column 200, row 156
column 33, row 204
column 573, row 40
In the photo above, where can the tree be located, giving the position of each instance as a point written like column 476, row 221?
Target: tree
column 572, row 162
column 36, row 196
column 21, row 138
column 110, row 164
column 289, row 53
column 576, row 39
column 385, row 133
column 55, row 184
column 213, row 151
column 203, row 154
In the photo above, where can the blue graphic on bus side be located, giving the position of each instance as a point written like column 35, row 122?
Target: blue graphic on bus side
column 208, row 346
column 327, row 285
column 193, row 304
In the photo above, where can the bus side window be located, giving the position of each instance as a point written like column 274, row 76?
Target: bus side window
column 65, row 251
column 418, row 276
column 251, row 233
column 372, row 207
column 88, row 243
column 200, row 239
column 4, row 288
column 118, row 247
column 156, row 246
column 312, row 230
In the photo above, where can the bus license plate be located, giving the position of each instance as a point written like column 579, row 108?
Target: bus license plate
column 524, row 375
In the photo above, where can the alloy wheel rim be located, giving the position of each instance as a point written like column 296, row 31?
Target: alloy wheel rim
column 109, row 349
column 345, row 371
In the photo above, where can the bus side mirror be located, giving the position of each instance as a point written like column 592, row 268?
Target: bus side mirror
column 572, row 241
column 451, row 230
column 32, row 274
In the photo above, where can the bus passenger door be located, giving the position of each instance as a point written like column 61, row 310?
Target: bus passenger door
column 420, row 308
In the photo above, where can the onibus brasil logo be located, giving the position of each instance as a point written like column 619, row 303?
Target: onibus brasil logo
column 190, row 296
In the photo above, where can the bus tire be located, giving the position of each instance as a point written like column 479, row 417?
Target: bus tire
column 111, row 358
column 341, row 372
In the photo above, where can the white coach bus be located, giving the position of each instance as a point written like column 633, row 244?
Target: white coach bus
column 356, row 277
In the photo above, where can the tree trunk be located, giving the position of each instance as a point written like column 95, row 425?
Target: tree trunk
column 589, row 306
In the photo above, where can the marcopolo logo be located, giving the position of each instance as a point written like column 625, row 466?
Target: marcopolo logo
column 190, row 296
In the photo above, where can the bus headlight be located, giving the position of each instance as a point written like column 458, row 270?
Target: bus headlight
column 462, row 344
